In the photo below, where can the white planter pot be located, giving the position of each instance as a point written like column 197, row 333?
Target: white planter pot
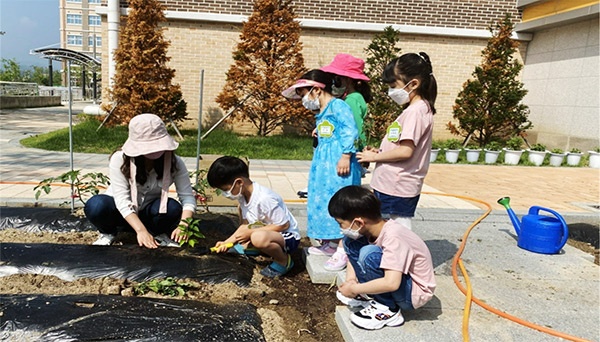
column 536, row 157
column 512, row 157
column 491, row 157
column 473, row 155
column 452, row 156
column 573, row 159
column 594, row 159
column 556, row 159
column 433, row 155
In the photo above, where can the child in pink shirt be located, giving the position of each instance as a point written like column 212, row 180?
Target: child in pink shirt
column 387, row 261
column 402, row 160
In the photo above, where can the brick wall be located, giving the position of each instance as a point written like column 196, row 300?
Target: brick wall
column 209, row 46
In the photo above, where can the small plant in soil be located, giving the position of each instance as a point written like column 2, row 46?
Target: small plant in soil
column 575, row 150
column 436, row 145
column 514, row 144
column 556, row 151
column 538, row 147
column 165, row 287
column 493, row 146
column 191, row 232
column 200, row 186
column 85, row 186
column 452, row 144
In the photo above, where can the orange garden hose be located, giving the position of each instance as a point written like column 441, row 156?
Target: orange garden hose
column 456, row 261
column 468, row 291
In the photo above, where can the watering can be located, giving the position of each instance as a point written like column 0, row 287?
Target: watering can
column 538, row 233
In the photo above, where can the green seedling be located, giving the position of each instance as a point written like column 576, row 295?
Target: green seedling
column 191, row 232
column 85, row 186
column 166, row 287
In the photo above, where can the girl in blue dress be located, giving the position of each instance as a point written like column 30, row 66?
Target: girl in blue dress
column 334, row 163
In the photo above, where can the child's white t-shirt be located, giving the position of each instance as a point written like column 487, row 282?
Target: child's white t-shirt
column 267, row 207
column 405, row 251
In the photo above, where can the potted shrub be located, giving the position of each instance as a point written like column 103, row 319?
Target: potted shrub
column 492, row 150
column 436, row 146
column 594, row 156
column 513, row 151
column 452, row 150
column 536, row 154
column 472, row 152
column 557, row 156
column 574, row 157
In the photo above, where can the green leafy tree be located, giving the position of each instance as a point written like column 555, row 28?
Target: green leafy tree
column 267, row 60
column 39, row 75
column 382, row 109
column 10, row 71
column 143, row 81
column 489, row 107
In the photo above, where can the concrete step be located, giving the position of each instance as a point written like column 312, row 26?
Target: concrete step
column 314, row 266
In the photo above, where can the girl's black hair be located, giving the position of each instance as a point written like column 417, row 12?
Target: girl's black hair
column 141, row 175
column 225, row 170
column 321, row 77
column 413, row 66
column 354, row 201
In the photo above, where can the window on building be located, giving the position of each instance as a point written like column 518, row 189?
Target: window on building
column 74, row 19
column 73, row 39
column 73, row 0
column 94, row 1
column 94, row 20
column 91, row 41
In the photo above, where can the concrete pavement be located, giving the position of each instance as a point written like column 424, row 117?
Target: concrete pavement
column 558, row 291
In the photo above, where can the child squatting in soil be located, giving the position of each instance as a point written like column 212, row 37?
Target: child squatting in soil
column 266, row 223
column 386, row 261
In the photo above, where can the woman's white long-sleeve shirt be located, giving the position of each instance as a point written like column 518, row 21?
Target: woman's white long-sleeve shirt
column 151, row 190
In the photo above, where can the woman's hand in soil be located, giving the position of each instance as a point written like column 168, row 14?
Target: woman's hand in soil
column 146, row 239
column 343, row 165
column 177, row 235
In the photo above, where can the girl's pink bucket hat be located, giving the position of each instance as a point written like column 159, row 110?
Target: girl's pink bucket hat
column 347, row 65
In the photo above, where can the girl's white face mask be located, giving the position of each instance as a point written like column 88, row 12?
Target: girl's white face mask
column 311, row 104
column 399, row 95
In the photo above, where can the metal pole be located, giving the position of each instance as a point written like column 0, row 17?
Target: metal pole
column 94, row 91
column 199, row 124
column 226, row 115
column 50, row 75
column 71, row 133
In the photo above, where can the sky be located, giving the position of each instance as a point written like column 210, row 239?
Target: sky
column 27, row 25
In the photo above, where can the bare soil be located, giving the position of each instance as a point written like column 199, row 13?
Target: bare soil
column 291, row 307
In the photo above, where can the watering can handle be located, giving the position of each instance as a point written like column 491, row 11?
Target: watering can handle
column 535, row 210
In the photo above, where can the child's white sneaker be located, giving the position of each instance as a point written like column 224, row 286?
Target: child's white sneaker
column 376, row 316
column 104, row 240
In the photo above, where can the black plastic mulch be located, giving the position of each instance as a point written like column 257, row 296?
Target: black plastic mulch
column 116, row 318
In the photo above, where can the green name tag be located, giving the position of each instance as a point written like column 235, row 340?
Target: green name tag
column 393, row 132
column 325, row 129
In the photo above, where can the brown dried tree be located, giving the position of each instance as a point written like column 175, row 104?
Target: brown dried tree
column 143, row 80
column 268, row 59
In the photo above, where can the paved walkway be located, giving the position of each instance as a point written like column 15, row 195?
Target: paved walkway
column 564, row 189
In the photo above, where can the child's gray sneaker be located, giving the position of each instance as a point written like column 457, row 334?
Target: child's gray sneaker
column 104, row 240
column 357, row 302
column 165, row 241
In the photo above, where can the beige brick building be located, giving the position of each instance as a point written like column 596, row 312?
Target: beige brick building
column 204, row 33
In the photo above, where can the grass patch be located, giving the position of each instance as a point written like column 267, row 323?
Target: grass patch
column 88, row 139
